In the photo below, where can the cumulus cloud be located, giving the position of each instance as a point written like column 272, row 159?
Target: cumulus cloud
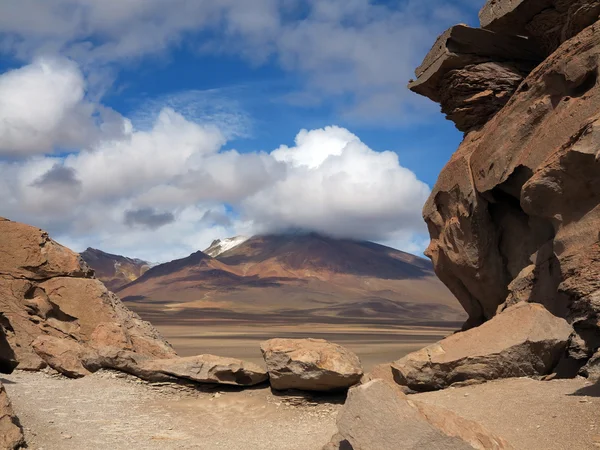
column 43, row 107
column 178, row 187
column 337, row 185
column 357, row 53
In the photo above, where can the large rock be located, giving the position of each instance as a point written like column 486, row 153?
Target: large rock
column 11, row 434
column 473, row 73
column 524, row 340
column 209, row 369
column 549, row 22
column 514, row 215
column 310, row 364
column 376, row 416
column 48, row 292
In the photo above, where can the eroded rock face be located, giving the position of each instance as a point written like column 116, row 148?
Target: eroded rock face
column 524, row 340
column 377, row 416
column 51, row 309
column 310, row 364
column 549, row 22
column 514, row 216
column 11, row 434
column 473, row 73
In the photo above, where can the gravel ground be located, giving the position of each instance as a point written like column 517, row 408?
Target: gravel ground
column 109, row 410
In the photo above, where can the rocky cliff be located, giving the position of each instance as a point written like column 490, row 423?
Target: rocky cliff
column 515, row 216
column 47, row 291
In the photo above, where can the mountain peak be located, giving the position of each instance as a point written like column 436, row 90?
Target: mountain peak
column 219, row 246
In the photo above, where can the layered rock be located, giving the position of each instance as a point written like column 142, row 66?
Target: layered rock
column 549, row 22
column 11, row 434
column 47, row 292
column 377, row 416
column 209, row 369
column 310, row 364
column 473, row 73
column 524, row 340
column 514, row 214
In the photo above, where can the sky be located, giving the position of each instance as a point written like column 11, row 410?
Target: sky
column 149, row 128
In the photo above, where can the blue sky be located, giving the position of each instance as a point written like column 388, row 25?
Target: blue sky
column 191, row 112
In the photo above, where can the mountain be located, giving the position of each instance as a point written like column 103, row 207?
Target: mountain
column 296, row 278
column 115, row 271
column 219, row 246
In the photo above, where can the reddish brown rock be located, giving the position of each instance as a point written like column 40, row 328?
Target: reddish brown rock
column 209, row 369
column 473, row 73
column 11, row 434
column 310, row 364
column 376, row 416
column 549, row 22
column 514, row 215
column 47, row 292
column 524, row 340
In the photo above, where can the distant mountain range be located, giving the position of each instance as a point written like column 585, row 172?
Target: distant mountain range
column 291, row 278
column 115, row 271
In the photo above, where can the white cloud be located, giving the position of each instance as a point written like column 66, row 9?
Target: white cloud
column 356, row 54
column 168, row 191
column 337, row 185
column 43, row 107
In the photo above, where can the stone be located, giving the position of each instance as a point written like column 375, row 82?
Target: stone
column 310, row 364
column 63, row 355
column 524, row 340
column 209, row 369
column 514, row 214
column 473, row 73
column 11, row 433
column 592, row 369
column 48, row 292
column 549, row 22
column 460, row 46
column 376, row 416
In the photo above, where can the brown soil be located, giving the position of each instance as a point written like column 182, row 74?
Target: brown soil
column 109, row 410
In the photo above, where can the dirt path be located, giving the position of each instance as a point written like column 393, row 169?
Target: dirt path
column 113, row 411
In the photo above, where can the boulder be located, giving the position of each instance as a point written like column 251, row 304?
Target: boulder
column 48, row 292
column 63, row 355
column 209, row 369
column 376, row 416
column 11, row 434
column 310, row 364
column 524, row 340
column 473, row 73
column 549, row 22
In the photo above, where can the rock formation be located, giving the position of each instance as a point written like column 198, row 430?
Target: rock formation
column 377, row 416
column 474, row 72
column 310, row 364
column 524, row 340
column 11, row 434
column 209, row 369
column 46, row 290
column 548, row 22
column 515, row 216
column 53, row 312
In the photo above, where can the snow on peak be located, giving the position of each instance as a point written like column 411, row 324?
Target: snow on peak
column 220, row 246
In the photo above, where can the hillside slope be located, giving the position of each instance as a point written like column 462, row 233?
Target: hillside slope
column 296, row 278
